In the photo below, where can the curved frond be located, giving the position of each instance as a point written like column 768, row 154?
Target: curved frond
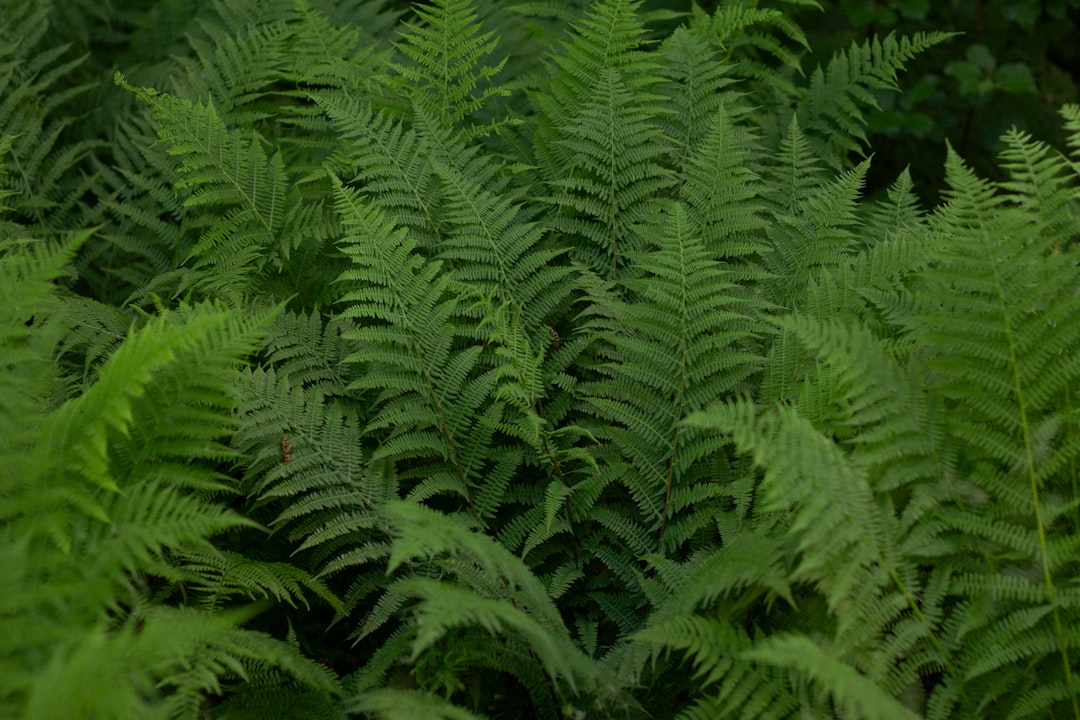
column 839, row 95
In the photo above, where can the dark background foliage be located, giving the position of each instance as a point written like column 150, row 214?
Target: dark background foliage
column 1016, row 63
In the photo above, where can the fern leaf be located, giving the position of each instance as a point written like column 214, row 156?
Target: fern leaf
column 616, row 175
column 757, row 38
column 424, row 533
column 722, row 191
column 37, row 88
column 225, row 168
column 396, row 704
column 812, row 219
column 446, row 52
column 1000, row 343
column 838, row 96
column 391, row 162
column 669, row 357
column 236, row 71
column 696, row 83
column 853, row 694
column 433, row 396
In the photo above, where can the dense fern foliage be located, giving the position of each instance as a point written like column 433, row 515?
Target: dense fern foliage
column 519, row 361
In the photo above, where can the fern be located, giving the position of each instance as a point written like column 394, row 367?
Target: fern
column 432, row 395
column 722, row 191
column 235, row 73
column 758, row 37
column 120, row 477
column 616, row 176
column 696, row 80
column 1010, row 296
column 501, row 595
column 669, row 343
column 444, row 52
column 832, row 108
column 519, row 361
column 145, row 237
column 604, row 168
column 390, row 161
column 225, row 168
column 495, row 246
column 853, row 695
column 36, row 114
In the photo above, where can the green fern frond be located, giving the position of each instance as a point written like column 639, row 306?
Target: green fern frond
column 504, row 594
column 1071, row 114
column 236, row 71
column 224, row 575
column 838, row 96
column 36, row 87
column 446, row 53
column 853, row 694
column 1008, row 314
column 433, row 395
column 135, row 431
column 757, row 38
column 307, row 468
column 210, row 653
column 28, row 270
column 740, row 570
column 861, row 556
column 389, row 161
column 81, row 429
column 795, row 170
column 229, row 169
column 722, row 191
column 696, row 85
column 860, row 392
column 812, row 218
column 676, row 346
column 729, row 685
column 1040, row 181
column 493, row 244
column 146, row 233
column 872, row 289
column 610, row 36
column 400, row 704
column 898, row 214
column 616, row 175
column 149, row 425
column 1000, row 340
column 834, row 513
column 341, row 44
column 310, row 350
column 5, row 149
column 96, row 330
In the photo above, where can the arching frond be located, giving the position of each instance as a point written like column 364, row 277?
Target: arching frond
column 833, row 107
column 229, row 170
column 391, row 163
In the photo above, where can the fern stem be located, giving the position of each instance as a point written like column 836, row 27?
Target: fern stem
column 1029, row 453
column 562, row 478
column 1072, row 460
column 664, row 515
